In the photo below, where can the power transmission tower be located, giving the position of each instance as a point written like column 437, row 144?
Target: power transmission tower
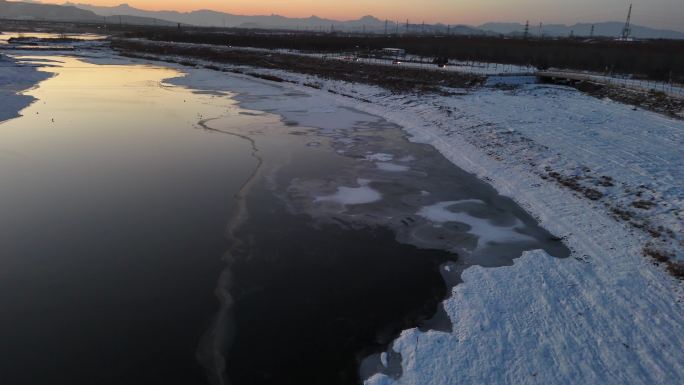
column 407, row 26
column 627, row 30
column 591, row 34
column 449, row 29
column 527, row 30
column 541, row 31
column 386, row 22
column 396, row 28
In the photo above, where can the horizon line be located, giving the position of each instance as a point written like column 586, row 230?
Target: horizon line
column 351, row 19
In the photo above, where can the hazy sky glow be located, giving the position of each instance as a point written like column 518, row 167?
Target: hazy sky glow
column 653, row 13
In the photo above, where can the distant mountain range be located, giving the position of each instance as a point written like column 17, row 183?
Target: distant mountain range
column 206, row 18
column 36, row 11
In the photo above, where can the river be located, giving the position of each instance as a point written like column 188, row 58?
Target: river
column 154, row 231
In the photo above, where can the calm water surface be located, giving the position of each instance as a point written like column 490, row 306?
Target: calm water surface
column 114, row 207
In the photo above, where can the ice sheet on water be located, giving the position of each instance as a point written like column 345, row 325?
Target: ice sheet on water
column 482, row 228
column 391, row 167
column 353, row 195
column 380, row 157
column 407, row 158
column 292, row 105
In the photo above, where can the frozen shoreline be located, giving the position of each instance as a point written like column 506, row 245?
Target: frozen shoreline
column 16, row 78
column 606, row 316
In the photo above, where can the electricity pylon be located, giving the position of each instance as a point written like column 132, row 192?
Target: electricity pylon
column 627, row 30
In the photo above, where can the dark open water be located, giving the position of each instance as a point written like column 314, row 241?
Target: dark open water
column 119, row 217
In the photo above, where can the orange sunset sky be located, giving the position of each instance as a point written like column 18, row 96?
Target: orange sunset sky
column 653, row 13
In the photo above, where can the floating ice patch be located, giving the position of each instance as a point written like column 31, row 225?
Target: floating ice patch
column 353, row 195
column 346, row 141
column 408, row 158
column 380, row 157
column 392, row 167
column 482, row 228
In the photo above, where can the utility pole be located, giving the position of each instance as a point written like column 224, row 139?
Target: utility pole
column 407, row 26
column 448, row 29
column 627, row 29
column 396, row 28
column 591, row 34
column 541, row 31
column 386, row 27
column 422, row 29
column 527, row 30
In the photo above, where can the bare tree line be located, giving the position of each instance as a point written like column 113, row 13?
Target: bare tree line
column 653, row 59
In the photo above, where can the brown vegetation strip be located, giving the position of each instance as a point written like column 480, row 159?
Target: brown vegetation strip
column 393, row 78
column 661, row 60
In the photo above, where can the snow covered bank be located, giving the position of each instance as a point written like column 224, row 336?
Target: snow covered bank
column 580, row 165
column 543, row 321
column 15, row 78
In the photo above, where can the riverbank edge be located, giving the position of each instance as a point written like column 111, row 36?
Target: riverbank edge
column 619, row 279
column 655, row 249
column 608, row 269
column 15, row 80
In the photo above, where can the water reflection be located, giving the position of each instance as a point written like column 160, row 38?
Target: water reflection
column 114, row 206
